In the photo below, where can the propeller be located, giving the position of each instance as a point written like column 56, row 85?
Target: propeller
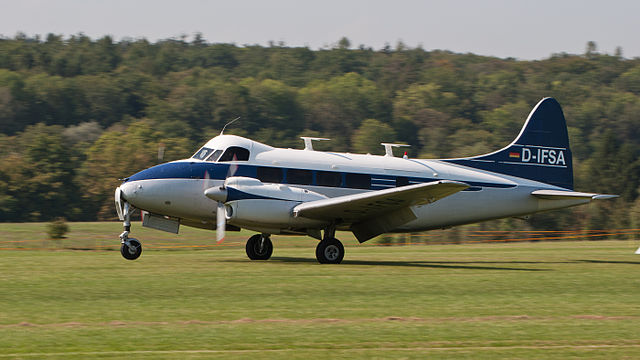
column 219, row 194
column 221, row 223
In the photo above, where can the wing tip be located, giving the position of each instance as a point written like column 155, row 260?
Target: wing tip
column 604, row 196
column 461, row 184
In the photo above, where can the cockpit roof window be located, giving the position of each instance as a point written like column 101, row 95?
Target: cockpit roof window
column 202, row 154
column 234, row 153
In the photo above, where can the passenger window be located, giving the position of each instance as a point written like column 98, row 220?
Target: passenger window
column 298, row 176
column 235, row 153
column 402, row 181
column 358, row 181
column 328, row 178
column 270, row 174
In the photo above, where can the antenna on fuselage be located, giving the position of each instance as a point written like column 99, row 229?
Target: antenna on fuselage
column 388, row 148
column 308, row 142
column 229, row 123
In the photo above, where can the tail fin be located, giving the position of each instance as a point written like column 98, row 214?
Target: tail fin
column 540, row 152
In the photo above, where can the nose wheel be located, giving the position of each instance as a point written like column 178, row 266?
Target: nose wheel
column 131, row 249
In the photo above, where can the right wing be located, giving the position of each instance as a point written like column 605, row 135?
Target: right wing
column 375, row 212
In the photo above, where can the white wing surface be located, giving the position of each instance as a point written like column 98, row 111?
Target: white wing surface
column 375, row 212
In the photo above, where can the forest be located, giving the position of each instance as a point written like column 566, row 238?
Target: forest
column 77, row 114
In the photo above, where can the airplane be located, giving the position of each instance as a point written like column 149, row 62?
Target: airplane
column 234, row 183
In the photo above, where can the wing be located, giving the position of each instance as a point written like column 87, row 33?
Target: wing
column 375, row 212
column 569, row 195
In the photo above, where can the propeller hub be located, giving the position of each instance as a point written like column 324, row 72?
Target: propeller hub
column 217, row 193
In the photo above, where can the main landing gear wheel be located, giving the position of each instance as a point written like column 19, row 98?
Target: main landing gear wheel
column 259, row 247
column 131, row 249
column 330, row 251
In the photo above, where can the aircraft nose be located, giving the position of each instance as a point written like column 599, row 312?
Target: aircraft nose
column 131, row 190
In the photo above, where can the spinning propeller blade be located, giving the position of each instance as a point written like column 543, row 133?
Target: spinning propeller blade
column 221, row 222
column 233, row 167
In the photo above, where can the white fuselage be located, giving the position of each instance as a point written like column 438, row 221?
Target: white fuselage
column 177, row 189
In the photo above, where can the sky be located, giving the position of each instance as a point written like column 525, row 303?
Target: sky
column 525, row 30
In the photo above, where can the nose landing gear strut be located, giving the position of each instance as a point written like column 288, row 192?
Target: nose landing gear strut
column 131, row 248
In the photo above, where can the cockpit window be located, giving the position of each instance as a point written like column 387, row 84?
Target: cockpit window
column 214, row 156
column 235, row 153
column 202, row 153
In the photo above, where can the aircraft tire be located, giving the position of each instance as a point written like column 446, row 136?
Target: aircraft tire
column 254, row 250
column 330, row 251
column 131, row 249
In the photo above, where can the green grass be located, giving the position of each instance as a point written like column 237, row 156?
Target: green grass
column 477, row 301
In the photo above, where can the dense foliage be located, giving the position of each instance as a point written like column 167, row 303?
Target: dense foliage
column 76, row 114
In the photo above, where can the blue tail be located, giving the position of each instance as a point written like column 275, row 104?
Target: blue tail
column 540, row 152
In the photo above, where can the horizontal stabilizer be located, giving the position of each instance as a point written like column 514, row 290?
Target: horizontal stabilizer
column 567, row 195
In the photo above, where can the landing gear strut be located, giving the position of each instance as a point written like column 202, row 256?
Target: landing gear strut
column 330, row 250
column 259, row 247
column 131, row 248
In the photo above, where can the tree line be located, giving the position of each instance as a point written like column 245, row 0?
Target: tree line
column 78, row 113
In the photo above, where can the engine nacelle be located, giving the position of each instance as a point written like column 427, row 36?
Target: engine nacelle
column 267, row 214
column 254, row 205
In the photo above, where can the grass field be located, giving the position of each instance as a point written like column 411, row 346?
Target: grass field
column 553, row 300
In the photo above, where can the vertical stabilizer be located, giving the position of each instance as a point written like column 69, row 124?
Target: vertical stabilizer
column 540, row 152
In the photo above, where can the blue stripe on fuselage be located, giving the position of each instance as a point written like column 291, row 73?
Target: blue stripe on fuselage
column 218, row 171
column 192, row 170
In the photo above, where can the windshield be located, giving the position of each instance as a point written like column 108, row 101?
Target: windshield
column 214, row 156
column 202, row 153
column 232, row 153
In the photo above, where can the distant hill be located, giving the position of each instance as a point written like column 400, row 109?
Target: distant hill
column 77, row 113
